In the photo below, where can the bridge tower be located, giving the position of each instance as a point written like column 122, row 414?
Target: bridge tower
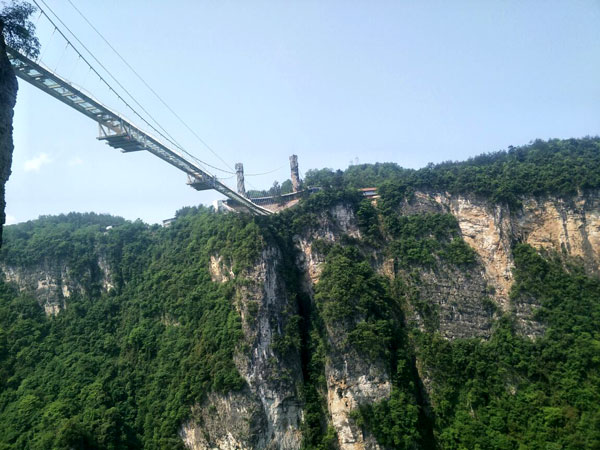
column 295, row 173
column 241, row 186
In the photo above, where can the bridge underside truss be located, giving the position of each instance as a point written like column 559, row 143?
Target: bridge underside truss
column 119, row 132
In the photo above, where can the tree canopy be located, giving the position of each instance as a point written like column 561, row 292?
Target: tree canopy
column 18, row 30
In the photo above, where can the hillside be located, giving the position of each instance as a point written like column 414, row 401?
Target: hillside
column 459, row 310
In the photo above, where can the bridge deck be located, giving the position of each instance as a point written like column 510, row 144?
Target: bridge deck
column 119, row 132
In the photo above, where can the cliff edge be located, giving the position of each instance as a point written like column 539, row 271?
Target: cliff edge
column 8, row 97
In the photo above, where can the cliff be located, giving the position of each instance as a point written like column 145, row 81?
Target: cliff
column 420, row 319
column 8, row 97
column 457, row 302
column 268, row 412
column 52, row 282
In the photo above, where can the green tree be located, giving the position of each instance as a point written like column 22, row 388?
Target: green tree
column 18, row 30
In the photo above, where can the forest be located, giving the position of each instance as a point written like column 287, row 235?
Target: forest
column 120, row 367
column 554, row 167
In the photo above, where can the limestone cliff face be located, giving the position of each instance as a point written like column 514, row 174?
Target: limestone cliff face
column 456, row 302
column 233, row 421
column 267, row 413
column 466, row 301
column 53, row 282
column 8, row 97
column 460, row 298
column 330, row 227
column 570, row 227
column 351, row 379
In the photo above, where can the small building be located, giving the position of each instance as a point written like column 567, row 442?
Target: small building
column 370, row 192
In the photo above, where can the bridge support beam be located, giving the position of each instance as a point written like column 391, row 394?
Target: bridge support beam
column 241, row 186
column 294, row 173
column 120, row 133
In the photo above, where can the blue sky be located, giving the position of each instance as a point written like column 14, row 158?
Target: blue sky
column 332, row 81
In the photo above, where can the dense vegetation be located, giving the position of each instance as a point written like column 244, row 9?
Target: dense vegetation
column 121, row 365
column 17, row 30
column 361, row 309
column 273, row 191
column 119, row 369
column 559, row 167
column 512, row 392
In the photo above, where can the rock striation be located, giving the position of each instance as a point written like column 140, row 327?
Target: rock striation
column 268, row 412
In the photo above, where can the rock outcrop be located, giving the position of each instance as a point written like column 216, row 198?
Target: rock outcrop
column 568, row 227
column 351, row 380
column 467, row 300
column 53, row 282
column 8, row 97
column 268, row 412
column 233, row 421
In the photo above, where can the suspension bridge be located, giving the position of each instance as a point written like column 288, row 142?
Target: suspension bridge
column 121, row 133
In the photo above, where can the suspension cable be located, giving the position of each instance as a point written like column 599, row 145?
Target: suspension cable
column 264, row 173
column 168, row 137
column 150, row 87
column 165, row 134
column 103, row 67
column 41, row 55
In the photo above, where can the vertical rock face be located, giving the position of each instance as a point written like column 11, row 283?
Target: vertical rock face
column 230, row 422
column 53, row 282
column 267, row 413
column 273, row 374
column 457, row 300
column 8, row 97
column 571, row 227
column 488, row 230
column 466, row 299
column 331, row 225
column 351, row 379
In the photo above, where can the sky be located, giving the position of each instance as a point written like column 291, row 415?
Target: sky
column 335, row 82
